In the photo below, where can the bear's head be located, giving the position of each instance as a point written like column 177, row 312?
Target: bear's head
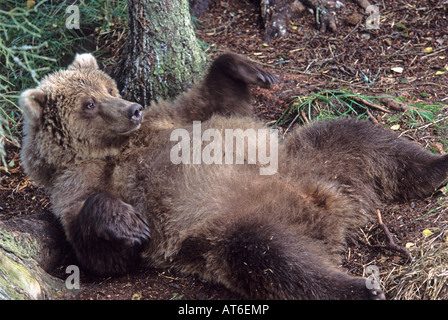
column 74, row 115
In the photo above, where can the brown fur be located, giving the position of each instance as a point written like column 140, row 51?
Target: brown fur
column 120, row 198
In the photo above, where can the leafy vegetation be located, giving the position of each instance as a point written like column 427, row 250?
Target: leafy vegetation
column 35, row 40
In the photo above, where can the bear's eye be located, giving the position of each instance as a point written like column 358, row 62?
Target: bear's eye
column 89, row 105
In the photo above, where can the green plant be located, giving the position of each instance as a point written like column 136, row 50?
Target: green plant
column 420, row 116
column 326, row 104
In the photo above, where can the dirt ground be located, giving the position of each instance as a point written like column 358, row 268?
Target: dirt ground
column 306, row 61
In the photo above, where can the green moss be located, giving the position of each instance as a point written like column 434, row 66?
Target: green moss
column 173, row 59
column 20, row 275
column 16, row 281
column 20, row 245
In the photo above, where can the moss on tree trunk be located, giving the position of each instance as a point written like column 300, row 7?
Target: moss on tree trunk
column 29, row 248
column 163, row 56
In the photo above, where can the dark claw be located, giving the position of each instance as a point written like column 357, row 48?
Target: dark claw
column 147, row 234
column 267, row 78
column 133, row 242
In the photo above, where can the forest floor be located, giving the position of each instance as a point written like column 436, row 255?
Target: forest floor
column 406, row 57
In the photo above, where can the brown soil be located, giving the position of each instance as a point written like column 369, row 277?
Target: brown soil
column 305, row 61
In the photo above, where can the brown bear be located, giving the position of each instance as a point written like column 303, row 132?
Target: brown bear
column 112, row 170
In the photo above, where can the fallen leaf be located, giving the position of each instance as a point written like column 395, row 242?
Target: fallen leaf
column 409, row 245
column 444, row 190
column 365, row 36
column 439, row 73
column 395, row 127
column 428, row 49
column 397, row 69
column 427, row 233
column 137, row 296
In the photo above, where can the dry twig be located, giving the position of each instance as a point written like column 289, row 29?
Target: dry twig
column 394, row 104
column 370, row 104
column 391, row 242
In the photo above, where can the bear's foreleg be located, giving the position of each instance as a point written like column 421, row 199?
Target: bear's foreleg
column 108, row 235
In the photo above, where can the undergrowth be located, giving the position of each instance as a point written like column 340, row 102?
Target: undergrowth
column 35, row 40
column 331, row 104
column 326, row 104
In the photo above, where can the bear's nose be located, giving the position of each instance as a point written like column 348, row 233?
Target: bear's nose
column 135, row 112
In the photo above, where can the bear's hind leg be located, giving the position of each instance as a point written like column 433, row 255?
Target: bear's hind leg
column 262, row 261
column 372, row 160
column 224, row 90
column 420, row 173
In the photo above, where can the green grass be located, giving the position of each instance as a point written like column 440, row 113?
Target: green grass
column 326, row 104
column 35, row 41
column 331, row 104
column 420, row 117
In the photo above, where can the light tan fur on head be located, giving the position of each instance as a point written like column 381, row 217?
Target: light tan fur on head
column 60, row 128
column 84, row 61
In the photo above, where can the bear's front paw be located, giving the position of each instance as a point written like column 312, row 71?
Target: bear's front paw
column 107, row 217
column 109, row 235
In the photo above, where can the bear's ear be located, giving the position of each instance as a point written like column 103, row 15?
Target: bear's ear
column 84, row 61
column 31, row 102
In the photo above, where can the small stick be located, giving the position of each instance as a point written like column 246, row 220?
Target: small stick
column 391, row 243
column 370, row 104
column 394, row 104
column 302, row 113
column 371, row 116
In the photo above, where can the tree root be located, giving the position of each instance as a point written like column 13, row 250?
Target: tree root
column 363, row 3
column 277, row 13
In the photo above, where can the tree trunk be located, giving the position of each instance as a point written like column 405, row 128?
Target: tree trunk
column 30, row 247
column 163, row 56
